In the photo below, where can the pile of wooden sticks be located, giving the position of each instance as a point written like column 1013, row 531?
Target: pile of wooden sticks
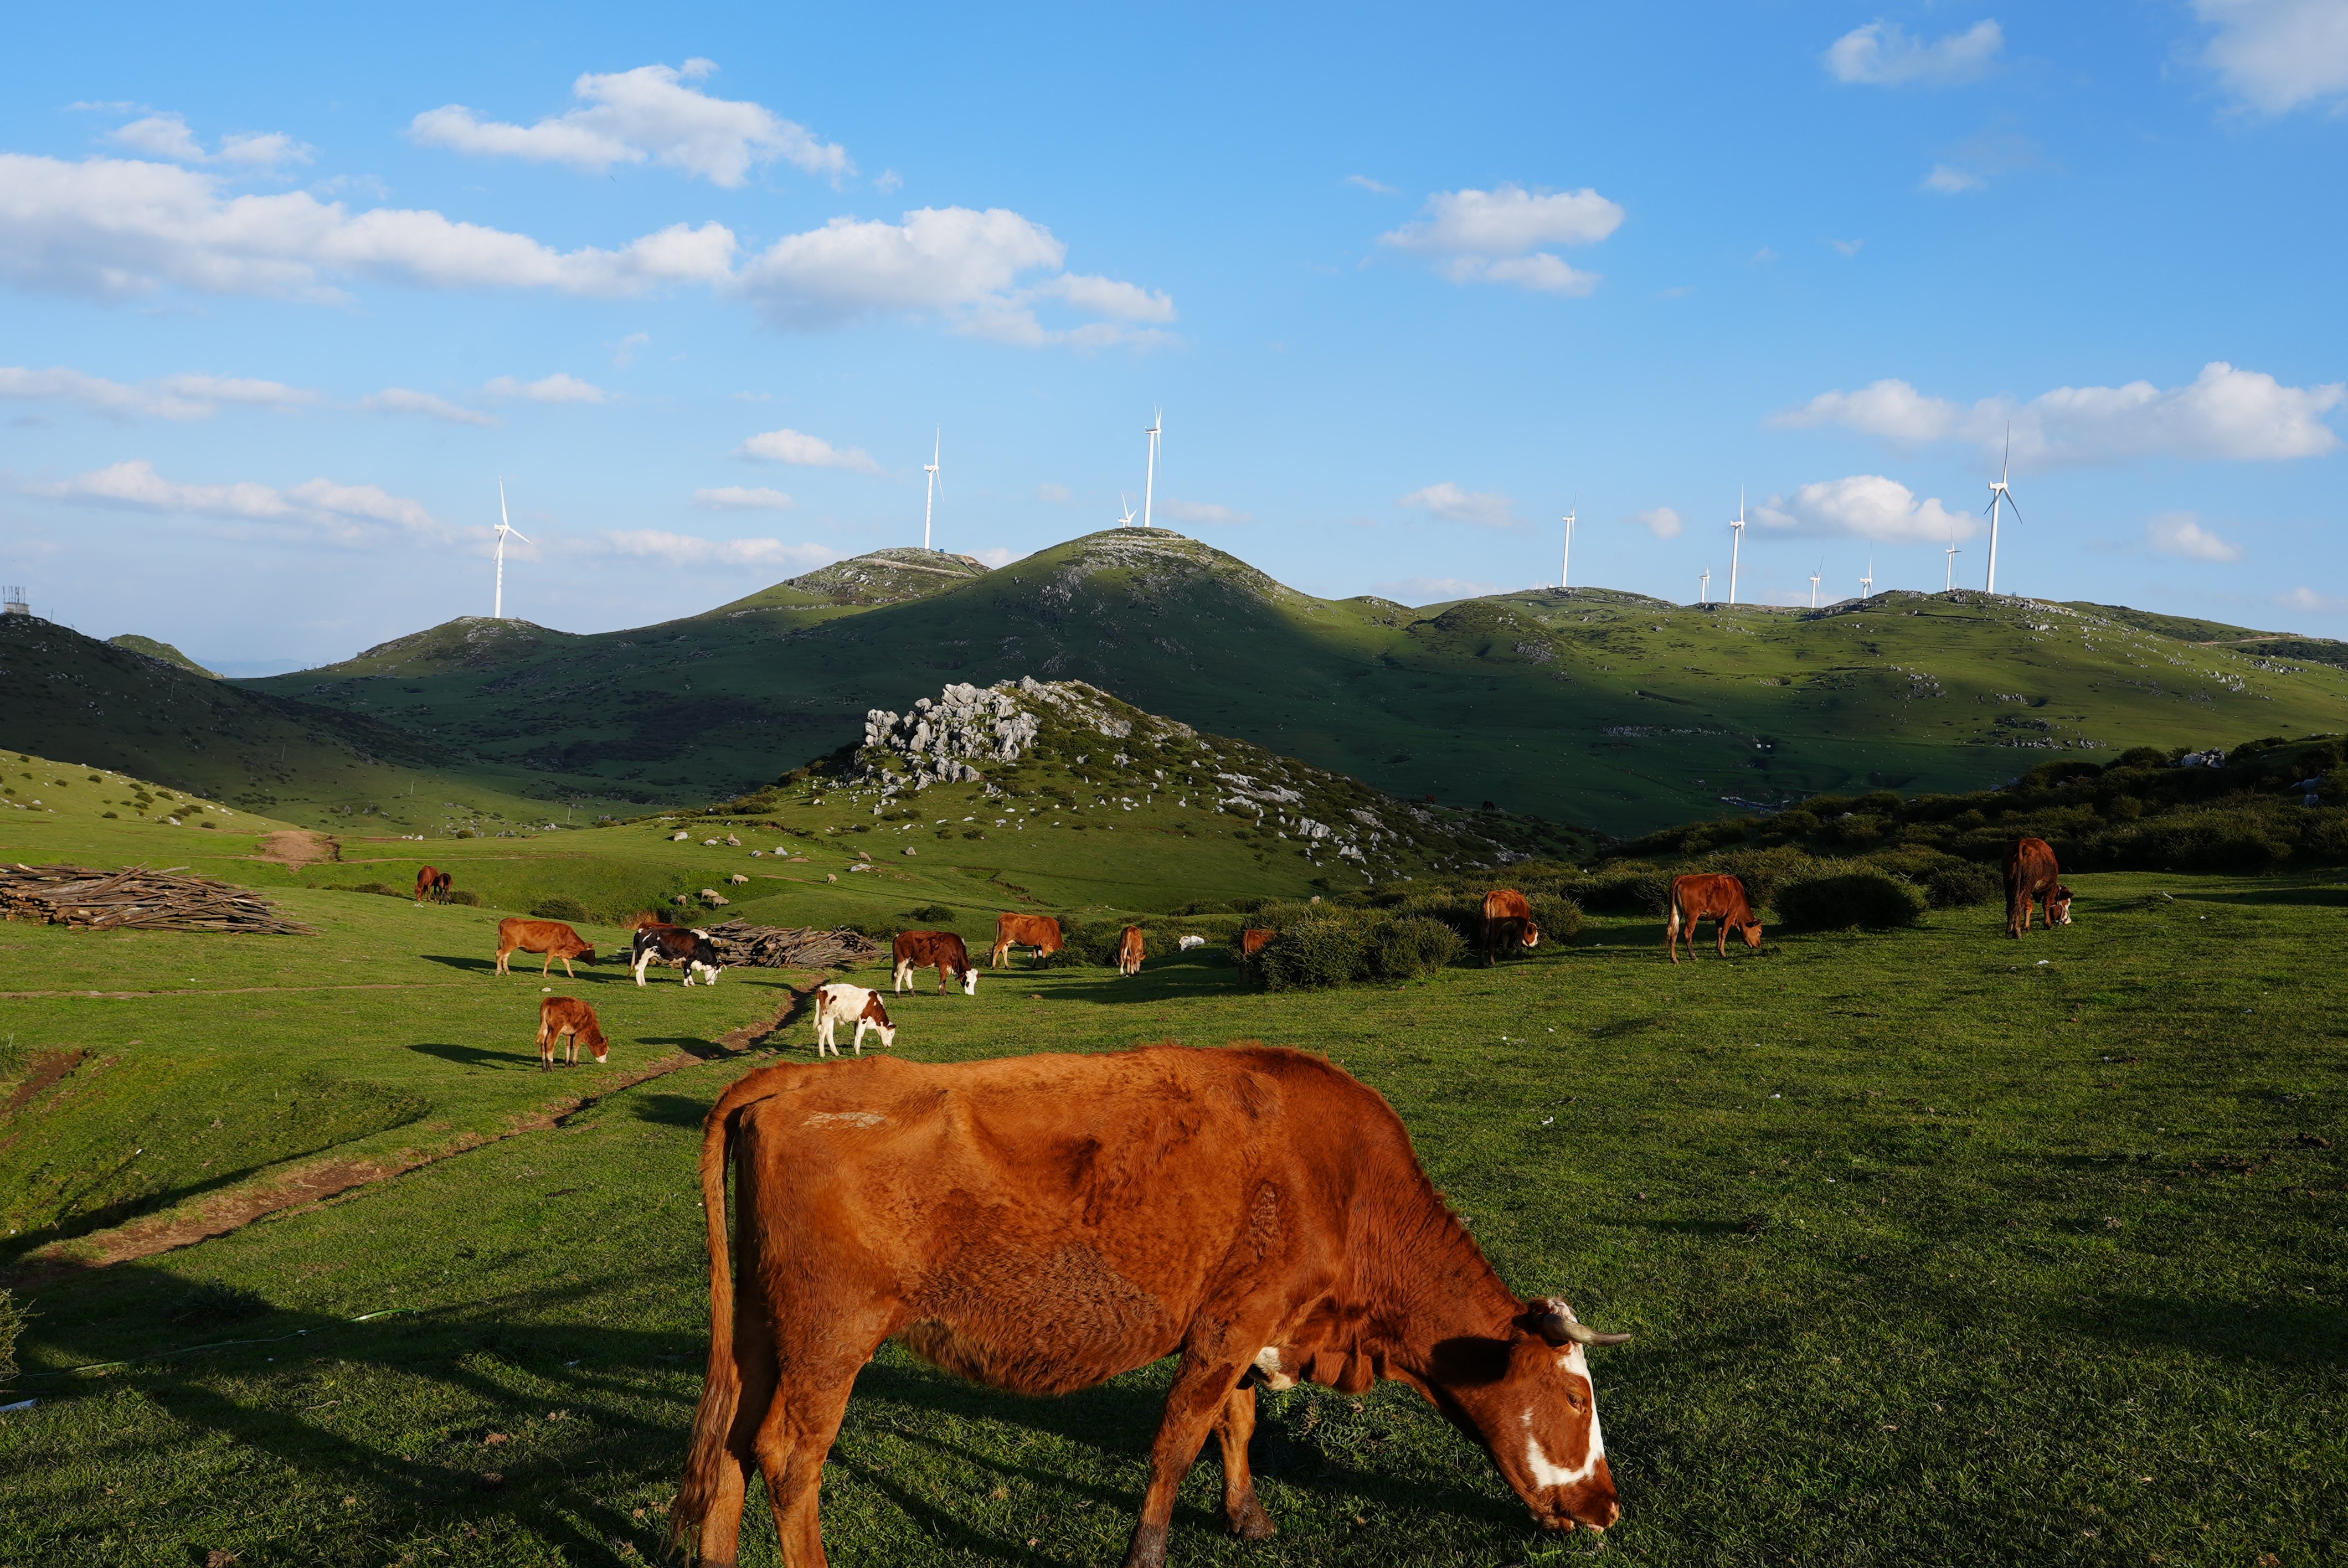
column 790, row 946
column 137, row 899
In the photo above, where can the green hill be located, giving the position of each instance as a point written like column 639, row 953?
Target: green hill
column 1591, row 707
column 163, row 651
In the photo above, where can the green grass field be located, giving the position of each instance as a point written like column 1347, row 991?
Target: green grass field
column 1936, row 1246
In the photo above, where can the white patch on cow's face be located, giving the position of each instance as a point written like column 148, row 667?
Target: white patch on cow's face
column 1267, row 1361
column 969, row 982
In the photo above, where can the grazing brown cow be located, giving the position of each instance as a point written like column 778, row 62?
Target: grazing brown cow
column 434, row 885
column 1715, row 897
column 2032, row 878
column 1040, row 932
column 561, row 1016
column 919, row 949
column 1130, row 951
column 1507, row 921
column 1253, row 941
column 1043, row 1224
column 552, row 937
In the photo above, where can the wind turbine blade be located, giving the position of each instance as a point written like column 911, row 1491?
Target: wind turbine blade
column 502, row 518
column 2010, row 507
column 519, row 534
column 2005, row 468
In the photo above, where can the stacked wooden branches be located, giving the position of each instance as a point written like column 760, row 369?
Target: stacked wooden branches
column 790, row 946
column 137, row 899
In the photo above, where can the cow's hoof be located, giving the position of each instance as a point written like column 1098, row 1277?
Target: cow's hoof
column 1251, row 1522
column 1148, row 1548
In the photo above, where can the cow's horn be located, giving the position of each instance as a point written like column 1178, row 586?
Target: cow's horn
column 1558, row 1326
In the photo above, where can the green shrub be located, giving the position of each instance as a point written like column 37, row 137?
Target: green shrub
column 1962, row 884
column 465, row 897
column 1876, row 899
column 930, row 914
column 12, row 1324
column 1413, row 947
column 560, row 907
column 1315, row 954
column 1558, row 916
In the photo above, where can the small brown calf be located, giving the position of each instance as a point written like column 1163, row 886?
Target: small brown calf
column 562, row 1019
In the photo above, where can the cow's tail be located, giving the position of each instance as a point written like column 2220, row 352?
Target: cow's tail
column 1671, row 930
column 721, row 1393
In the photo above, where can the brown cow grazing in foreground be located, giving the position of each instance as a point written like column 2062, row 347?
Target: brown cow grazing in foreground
column 1254, row 941
column 1130, row 951
column 561, row 1016
column 2032, row 878
column 552, row 937
column 1256, row 1212
column 1040, row 932
column 1507, row 922
column 433, row 884
column 1715, row 897
column 919, row 949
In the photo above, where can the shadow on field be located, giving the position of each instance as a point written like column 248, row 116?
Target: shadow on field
column 474, row 1056
column 2297, row 896
column 1160, row 980
column 2283, row 1333
column 670, row 1109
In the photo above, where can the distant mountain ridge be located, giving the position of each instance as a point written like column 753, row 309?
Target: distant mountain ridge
column 1591, row 706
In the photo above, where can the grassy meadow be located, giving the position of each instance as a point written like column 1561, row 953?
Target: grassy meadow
column 1936, row 1246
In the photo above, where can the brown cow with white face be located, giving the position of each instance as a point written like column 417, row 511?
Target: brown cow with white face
column 1043, row 1224
column 1507, row 923
column 568, row 1022
column 2033, row 879
column 912, row 950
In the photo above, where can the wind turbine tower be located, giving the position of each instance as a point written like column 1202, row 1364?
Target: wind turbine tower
column 505, row 526
column 1954, row 553
column 1704, row 588
column 1814, row 584
column 1866, row 583
column 1735, row 545
column 1565, row 566
column 1149, row 483
column 1999, row 494
column 930, row 505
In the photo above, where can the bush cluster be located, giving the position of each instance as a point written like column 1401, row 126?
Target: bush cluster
column 560, row 908
column 1348, row 946
column 1866, row 896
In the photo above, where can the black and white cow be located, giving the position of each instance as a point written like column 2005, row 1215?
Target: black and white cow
column 679, row 948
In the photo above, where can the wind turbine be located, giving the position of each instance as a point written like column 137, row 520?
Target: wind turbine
column 505, row 526
column 1565, row 566
column 1814, row 581
column 1704, row 588
column 1149, row 484
column 937, row 445
column 1998, row 492
column 1736, row 543
column 1866, row 583
column 1125, row 521
column 1953, row 553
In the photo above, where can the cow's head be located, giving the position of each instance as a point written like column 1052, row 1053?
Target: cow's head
column 877, row 1015
column 1751, row 932
column 2058, row 906
column 603, row 1049
column 1530, row 936
column 969, row 982
column 583, row 951
column 1529, row 1400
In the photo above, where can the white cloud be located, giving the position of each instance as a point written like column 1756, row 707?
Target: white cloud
column 807, row 451
column 648, row 113
column 1661, row 522
column 347, row 514
column 1363, row 182
column 1885, row 55
column 1485, row 508
column 400, row 400
column 1492, row 236
column 1948, row 179
column 691, row 550
column 1109, row 297
column 737, row 498
column 997, row 557
column 888, row 182
column 1058, row 495
column 117, row 228
column 1867, row 506
column 168, row 135
column 625, row 353
column 1423, row 590
column 2277, row 55
column 560, row 387
column 1848, row 247
column 1210, row 512
column 166, row 397
column 2238, row 415
column 2307, row 602
column 2181, row 534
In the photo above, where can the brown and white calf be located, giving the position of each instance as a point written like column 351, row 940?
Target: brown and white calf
column 919, row 949
column 1130, row 951
column 568, row 1020
column 838, row 1003
column 2032, row 878
column 1507, row 922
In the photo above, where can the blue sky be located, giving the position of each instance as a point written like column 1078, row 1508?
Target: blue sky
column 283, row 293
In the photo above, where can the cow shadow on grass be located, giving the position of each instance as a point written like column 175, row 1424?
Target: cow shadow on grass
column 1168, row 979
column 2281, row 1333
column 474, row 1056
